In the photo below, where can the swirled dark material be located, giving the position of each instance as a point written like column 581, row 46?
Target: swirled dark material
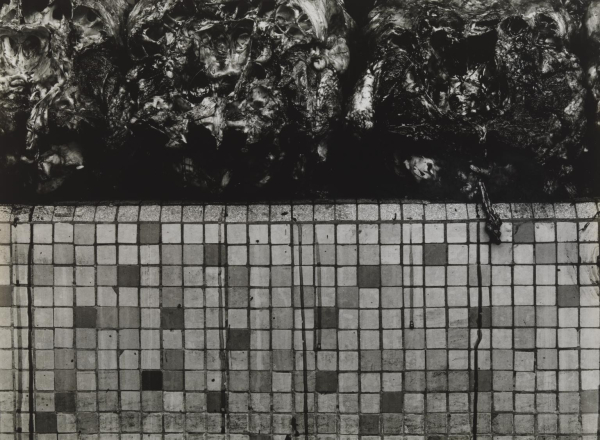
column 243, row 96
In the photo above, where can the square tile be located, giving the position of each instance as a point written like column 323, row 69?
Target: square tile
column 149, row 233
column 369, row 276
column 567, row 296
column 85, row 317
column 128, row 276
column 435, row 254
column 152, row 380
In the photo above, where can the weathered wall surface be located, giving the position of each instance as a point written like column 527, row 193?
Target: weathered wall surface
column 267, row 321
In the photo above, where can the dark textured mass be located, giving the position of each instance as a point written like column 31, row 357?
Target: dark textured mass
column 469, row 90
column 296, row 98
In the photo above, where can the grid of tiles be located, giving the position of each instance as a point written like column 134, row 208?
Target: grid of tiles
column 263, row 321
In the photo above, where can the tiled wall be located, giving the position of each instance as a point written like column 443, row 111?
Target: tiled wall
column 377, row 321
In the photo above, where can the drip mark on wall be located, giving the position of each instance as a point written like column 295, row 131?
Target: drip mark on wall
column 223, row 320
column 411, row 292
column 479, row 326
column 318, row 298
column 303, row 325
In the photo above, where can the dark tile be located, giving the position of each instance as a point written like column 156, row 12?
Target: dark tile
column 260, row 437
column 215, row 401
column 213, row 256
column 65, row 402
column 435, row 254
column 484, row 381
column 5, row 296
column 152, row 380
column 369, row 276
column 149, row 233
column 486, row 317
column 87, row 422
column 85, row 317
column 326, row 382
column 128, row 276
column 173, row 380
column 523, row 232
column 107, row 317
column 347, row 297
column 238, row 339
column 171, row 318
column 545, row 253
column 237, row 276
column 567, row 296
column 391, row 402
column 172, row 359
column 369, row 424
column 260, row 381
column 45, row 423
column 327, row 317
